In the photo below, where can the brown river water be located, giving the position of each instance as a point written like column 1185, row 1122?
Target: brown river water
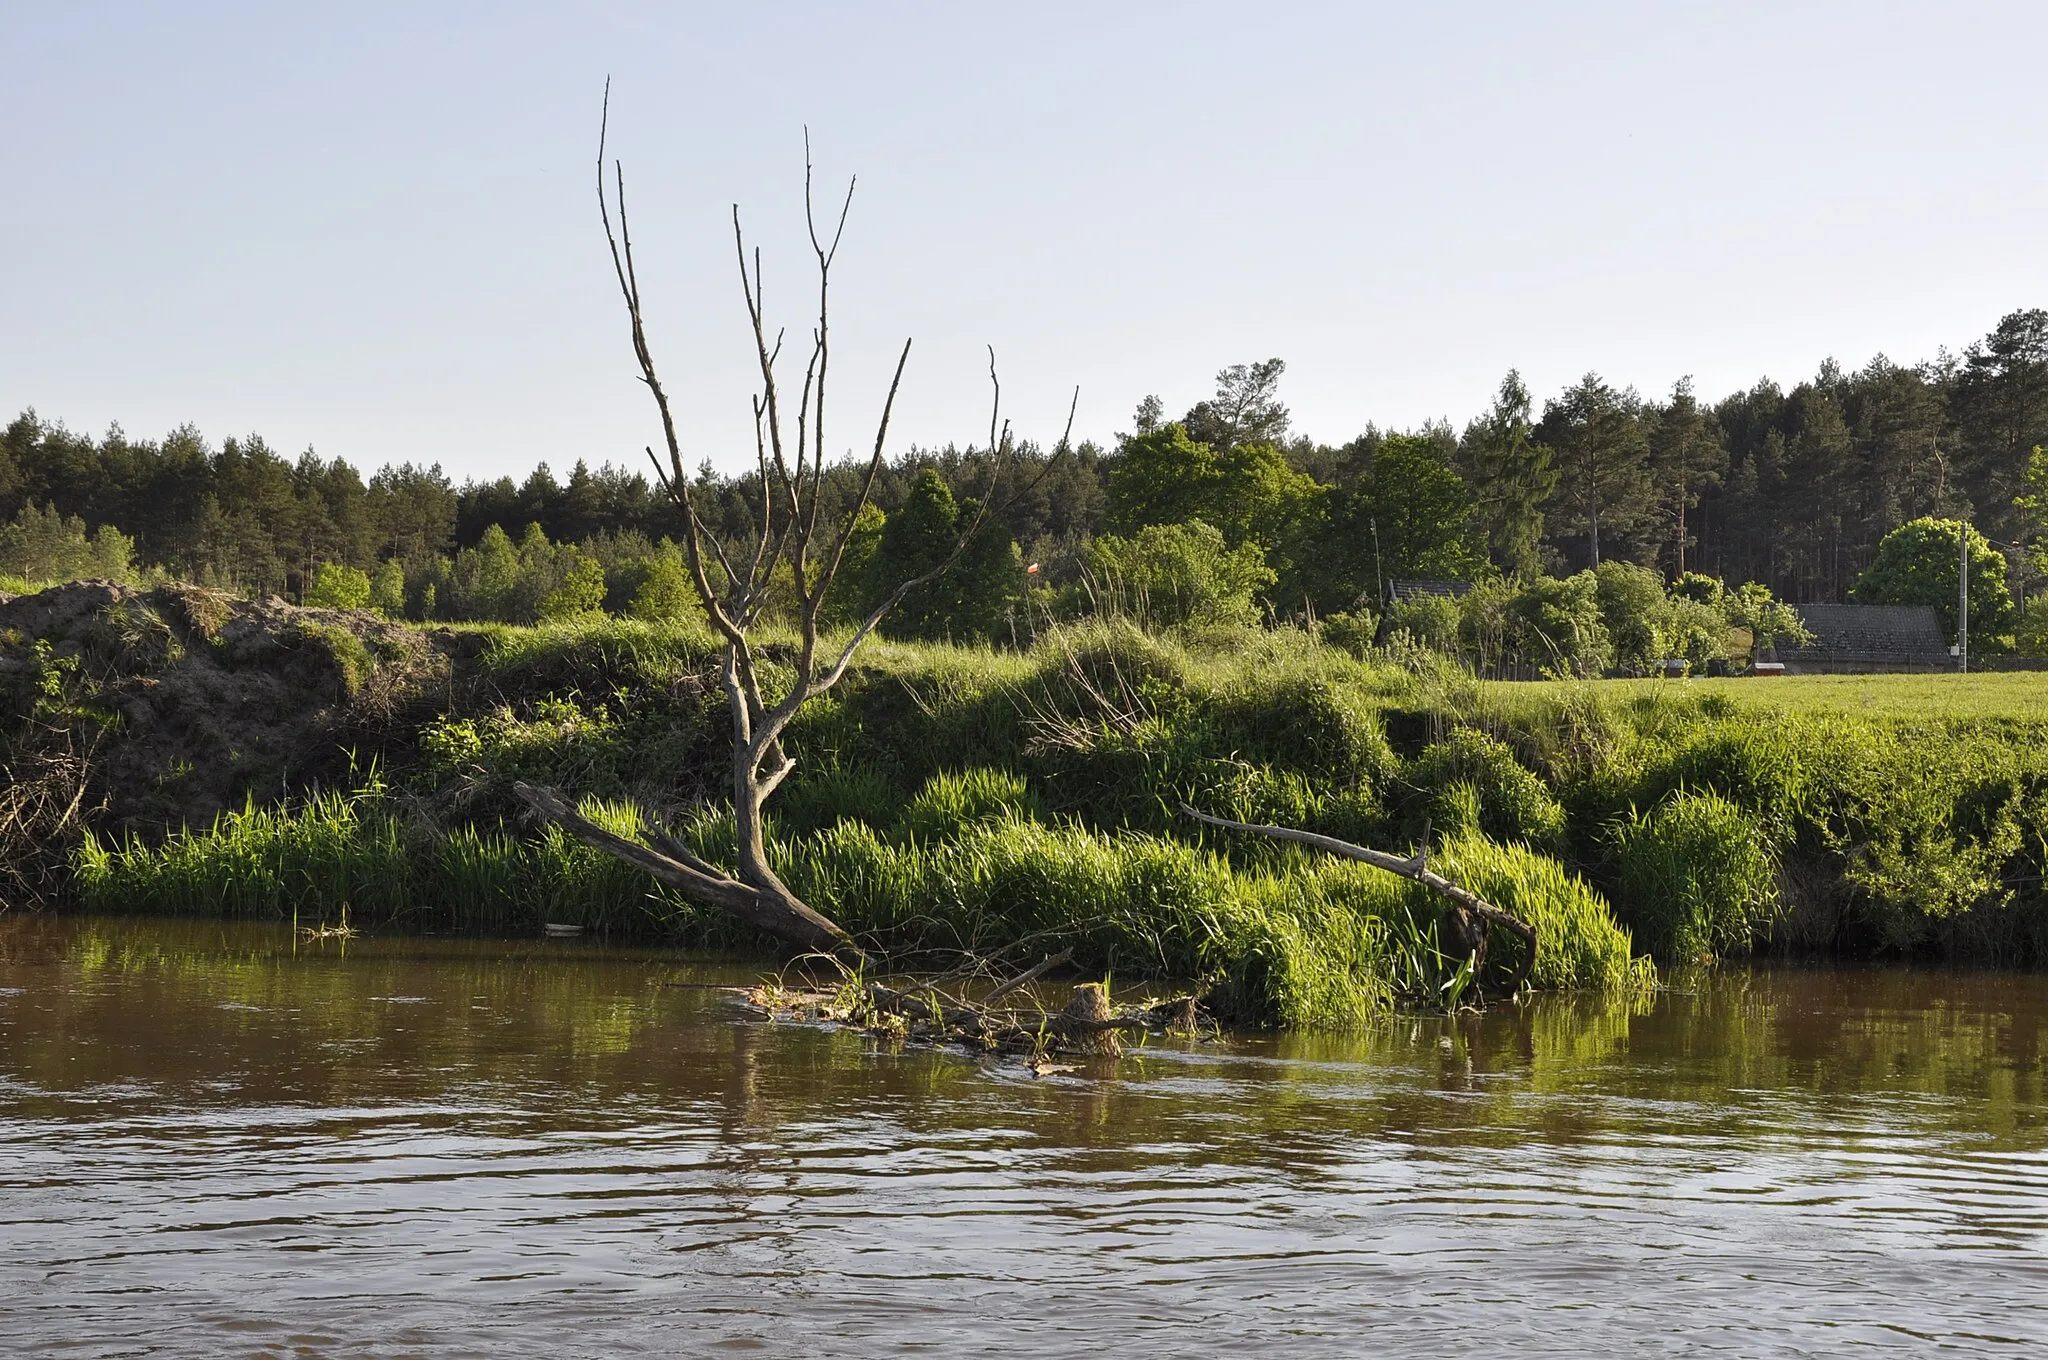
column 214, row 1143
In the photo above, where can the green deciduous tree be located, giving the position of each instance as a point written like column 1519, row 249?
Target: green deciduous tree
column 1160, row 476
column 387, row 588
column 664, row 593
column 483, row 579
column 1173, row 574
column 1632, row 609
column 1408, row 515
column 1765, row 616
column 1917, row 564
column 1248, row 492
column 2032, row 505
column 578, row 590
column 1555, row 625
column 337, row 586
column 2030, row 629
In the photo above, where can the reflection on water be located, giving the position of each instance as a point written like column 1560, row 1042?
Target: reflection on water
column 214, row 1144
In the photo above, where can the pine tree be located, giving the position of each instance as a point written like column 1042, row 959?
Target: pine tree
column 1512, row 477
column 1686, row 457
column 1604, row 487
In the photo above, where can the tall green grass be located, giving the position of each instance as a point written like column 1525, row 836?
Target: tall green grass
column 1580, row 944
column 1305, row 942
column 1698, row 878
column 354, row 851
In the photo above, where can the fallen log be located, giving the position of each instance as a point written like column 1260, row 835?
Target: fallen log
column 1471, row 913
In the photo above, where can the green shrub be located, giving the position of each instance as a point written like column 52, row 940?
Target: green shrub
column 593, row 654
column 1470, row 774
column 1772, row 766
column 1296, row 721
column 1556, row 626
column 1698, row 878
column 1168, row 575
column 1353, row 632
column 1430, row 622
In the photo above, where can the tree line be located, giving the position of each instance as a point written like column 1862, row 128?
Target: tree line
column 1218, row 513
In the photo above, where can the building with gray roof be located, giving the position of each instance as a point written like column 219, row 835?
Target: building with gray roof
column 1860, row 638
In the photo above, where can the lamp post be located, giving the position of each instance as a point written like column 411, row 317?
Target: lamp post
column 1963, row 599
column 1963, row 593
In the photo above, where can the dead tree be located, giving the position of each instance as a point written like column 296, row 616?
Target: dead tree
column 1470, row 914
column 793, row 535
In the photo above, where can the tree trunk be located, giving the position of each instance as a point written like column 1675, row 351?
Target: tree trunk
column 759, row 898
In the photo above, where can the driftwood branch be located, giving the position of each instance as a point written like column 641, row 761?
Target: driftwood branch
column 928, row 1011
column 981, row 1022
column 1028, row 976
column 1415, row 868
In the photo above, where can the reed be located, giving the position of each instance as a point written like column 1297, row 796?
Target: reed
column 1697, row 877
column 333, row 850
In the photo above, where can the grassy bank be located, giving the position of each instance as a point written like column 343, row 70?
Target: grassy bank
column 953, row 797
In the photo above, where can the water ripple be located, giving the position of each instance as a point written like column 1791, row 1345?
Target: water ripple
column 191, row 1166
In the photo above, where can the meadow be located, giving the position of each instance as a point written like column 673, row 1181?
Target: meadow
column 1980, row 694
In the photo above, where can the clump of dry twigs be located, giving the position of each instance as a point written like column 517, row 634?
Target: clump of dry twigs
column 45, row 781
column 975, row 1006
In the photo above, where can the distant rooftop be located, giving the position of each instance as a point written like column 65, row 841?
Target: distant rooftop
column 1869, row 635
column 1398, row 591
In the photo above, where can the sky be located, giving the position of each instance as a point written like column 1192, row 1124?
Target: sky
column 372, row 230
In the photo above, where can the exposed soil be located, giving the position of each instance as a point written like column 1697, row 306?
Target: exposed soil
column 202, row 700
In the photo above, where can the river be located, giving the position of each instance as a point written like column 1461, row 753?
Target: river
column 215, row 1141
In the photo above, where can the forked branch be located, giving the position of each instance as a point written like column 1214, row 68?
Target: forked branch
column 785, row 546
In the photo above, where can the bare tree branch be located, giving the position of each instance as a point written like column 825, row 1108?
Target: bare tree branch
column 789, row 509
column 1415, row 867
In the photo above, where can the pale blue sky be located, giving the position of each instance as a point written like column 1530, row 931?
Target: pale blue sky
column 370, row 228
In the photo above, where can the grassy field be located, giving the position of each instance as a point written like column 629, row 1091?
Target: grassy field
column 2012, row 694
